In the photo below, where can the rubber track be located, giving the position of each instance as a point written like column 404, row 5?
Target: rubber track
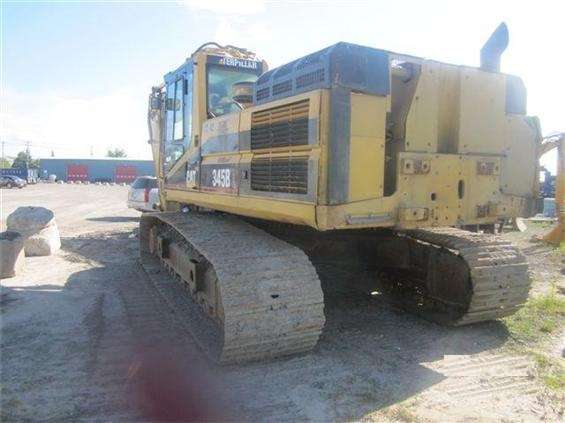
column 499, row 271
column 271, row 295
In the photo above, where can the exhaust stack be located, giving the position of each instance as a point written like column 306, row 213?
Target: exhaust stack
column 493, row 49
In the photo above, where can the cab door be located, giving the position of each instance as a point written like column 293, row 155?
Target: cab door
column 178, row 129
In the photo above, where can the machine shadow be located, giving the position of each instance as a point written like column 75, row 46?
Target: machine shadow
column 50, row 340
column 53, row 333
column 109, row 353
column 370, row 355
column 165, row 377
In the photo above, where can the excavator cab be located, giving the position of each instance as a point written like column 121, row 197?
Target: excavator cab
column 213, row 81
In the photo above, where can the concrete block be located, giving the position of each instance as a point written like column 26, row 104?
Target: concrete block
column 12, row 259
column 44, row 243
column 38, row 227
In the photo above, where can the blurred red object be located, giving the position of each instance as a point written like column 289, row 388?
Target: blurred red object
column 171, row 385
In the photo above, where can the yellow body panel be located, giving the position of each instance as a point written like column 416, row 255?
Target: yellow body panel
column 521, row 140
column 221, row 126
column 456, row 156
column 421, row 124
column 481, row 112
column 448, row 110
column 282, row 211
column 366, row 154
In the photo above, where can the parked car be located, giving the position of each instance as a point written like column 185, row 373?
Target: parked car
column 28, row 174
column 144, row 194
column 9, row 181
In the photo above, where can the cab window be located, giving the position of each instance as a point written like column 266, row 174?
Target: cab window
column 220, row 88
column 170, row 112
column 178, row 129
column 178, row 120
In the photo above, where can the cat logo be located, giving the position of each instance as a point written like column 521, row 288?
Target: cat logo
column 239, row 63
column 191, row 177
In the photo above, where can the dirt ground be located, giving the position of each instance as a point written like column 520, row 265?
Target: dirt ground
column 85, row 337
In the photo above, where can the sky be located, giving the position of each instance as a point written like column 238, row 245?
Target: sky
column 75, row 75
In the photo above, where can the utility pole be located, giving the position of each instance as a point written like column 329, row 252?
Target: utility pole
column 28, row 154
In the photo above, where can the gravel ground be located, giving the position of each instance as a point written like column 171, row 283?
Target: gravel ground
column 78, row 208
column 85, row 337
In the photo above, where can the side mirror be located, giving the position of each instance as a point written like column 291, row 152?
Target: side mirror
column 155, row 103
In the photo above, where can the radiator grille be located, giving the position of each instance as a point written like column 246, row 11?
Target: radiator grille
column 310, row 78
column 282, row 126
column 282, row 87
column 280, row 174
column 263, row 93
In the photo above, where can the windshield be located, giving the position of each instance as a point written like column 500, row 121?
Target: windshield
column 220, row 88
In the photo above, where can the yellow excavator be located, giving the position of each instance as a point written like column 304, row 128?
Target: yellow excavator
column 267, row 177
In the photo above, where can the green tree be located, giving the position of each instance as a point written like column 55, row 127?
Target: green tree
column 24, row 159
column 116, row 152
column 5, row 163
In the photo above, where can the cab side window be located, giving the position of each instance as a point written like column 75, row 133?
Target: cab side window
column 178, row 126
column 178, row 129
column 170, row 113
column 188, row 109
